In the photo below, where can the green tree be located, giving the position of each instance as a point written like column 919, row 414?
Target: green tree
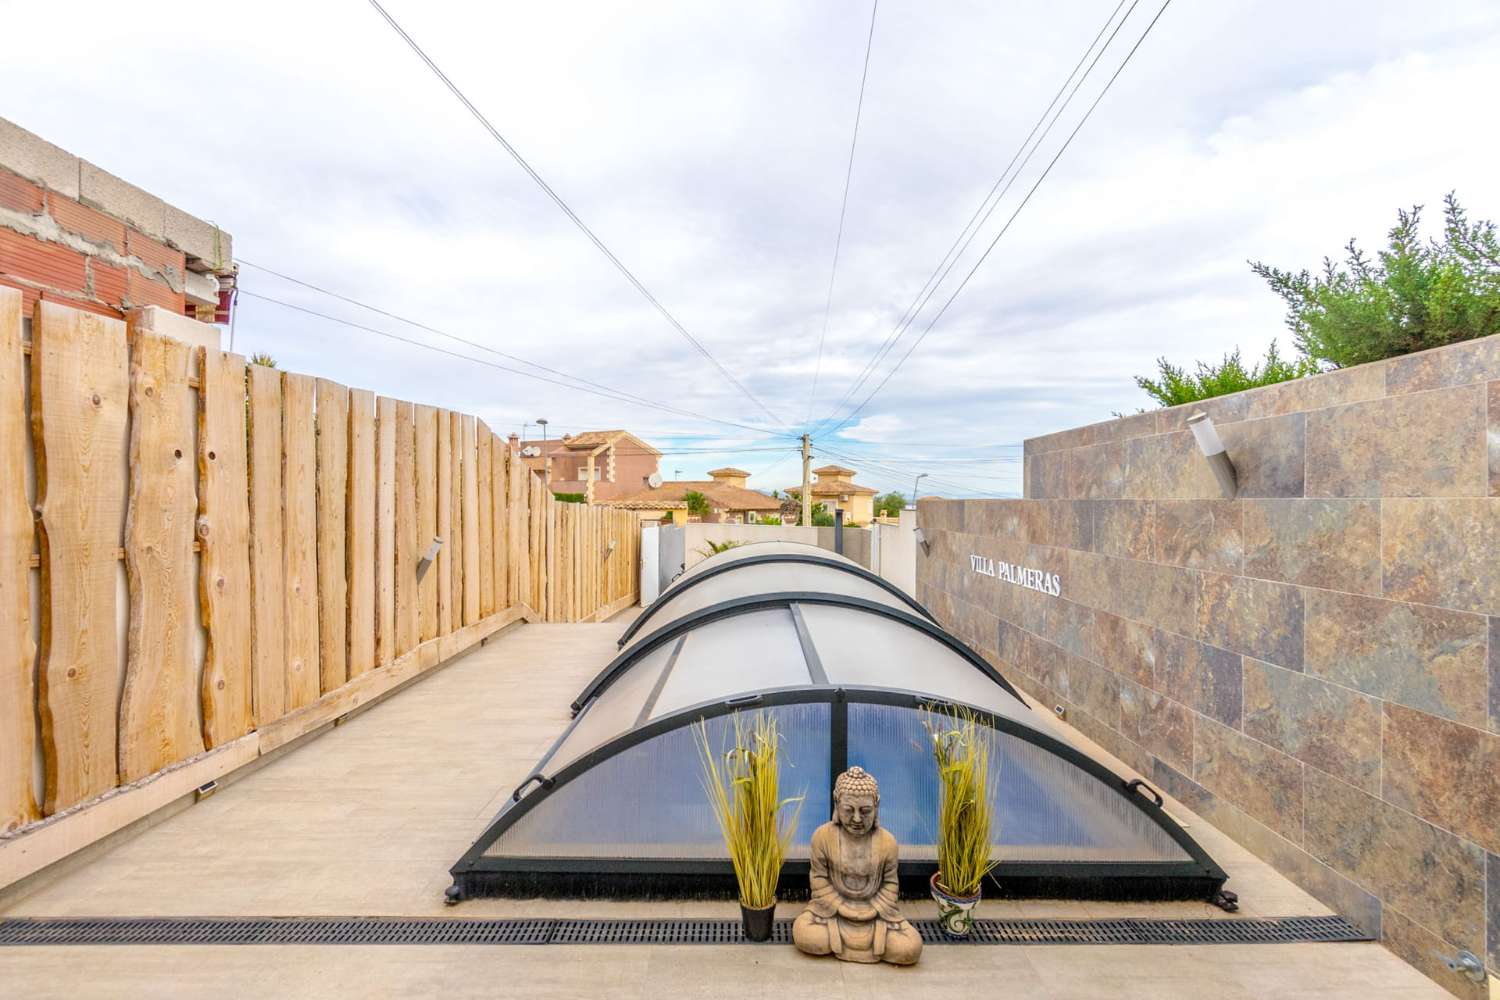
column 697, row 503
column 1413, row 295
column 891, row 504
column 1174, row 386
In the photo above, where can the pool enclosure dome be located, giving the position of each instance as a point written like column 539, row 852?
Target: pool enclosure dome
column 850, row 667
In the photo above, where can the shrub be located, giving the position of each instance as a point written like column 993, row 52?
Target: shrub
column 770, row 519
column 697, row 503
column 1414, row 295
column 890, row 505
column 1174, row 386
column 571, row 497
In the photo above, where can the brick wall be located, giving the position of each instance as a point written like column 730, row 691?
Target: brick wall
column 1313, row 666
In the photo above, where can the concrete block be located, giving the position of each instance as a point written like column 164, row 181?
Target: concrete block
column 105, row 191
column 199, row 239
column 162, row 322
column 201, row 289
column 36, row 159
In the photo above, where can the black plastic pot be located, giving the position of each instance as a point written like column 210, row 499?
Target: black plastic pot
column 758, row 922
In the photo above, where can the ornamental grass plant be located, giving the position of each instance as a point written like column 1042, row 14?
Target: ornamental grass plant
column 743, row 783
column 961, row 749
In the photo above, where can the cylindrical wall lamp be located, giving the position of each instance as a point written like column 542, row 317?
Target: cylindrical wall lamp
column 1207, row 437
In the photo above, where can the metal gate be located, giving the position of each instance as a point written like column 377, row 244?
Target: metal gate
column 663, row 557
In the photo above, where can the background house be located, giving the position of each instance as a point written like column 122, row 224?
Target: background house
column 602, row 465
column 728, row 497
column 834, row 487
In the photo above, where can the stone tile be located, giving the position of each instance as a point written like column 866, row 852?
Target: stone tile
column 1167, row 466
column 1445, row 772
column 1492, row 436
column 1164, row 596
column 1124, row 528
column 1348, row 385
column 1326, row 885
column 1428, row 873
column 1096, row 471
column 1221, row 409
column 1207, row 678
column 1492, row 894
column 1495, row 674
column 1095, row 689
column 1269, row 455
column 1333, row 544
column 1256, row 617
column 1418, row 946
column 1047, row 475
column 1329, row 727
column 1157, row 723
column 1010, row 642
column 1421, row 657
column 1263, row 782
column 1428, row 444
column 1200, row 534
column 1087, row 579
column 1061, row 523
column 996, row 518
column 1126, row 647
column 1070, row 626
column 1442, row 552
column 1457, row 364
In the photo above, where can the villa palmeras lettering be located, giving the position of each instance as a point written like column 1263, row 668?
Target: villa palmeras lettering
column 1021, row 576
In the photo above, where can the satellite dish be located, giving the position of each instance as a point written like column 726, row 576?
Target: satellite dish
column 653, row 480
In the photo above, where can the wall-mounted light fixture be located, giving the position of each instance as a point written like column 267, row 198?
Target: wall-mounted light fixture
column 921, row 537
column 425, row 563
column 1207, row 437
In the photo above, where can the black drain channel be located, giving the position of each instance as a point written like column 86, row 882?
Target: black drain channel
column 397, row 930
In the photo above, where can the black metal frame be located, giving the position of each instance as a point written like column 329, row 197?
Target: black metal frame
column 744, row 605
column 842, row 565
column 475, row 874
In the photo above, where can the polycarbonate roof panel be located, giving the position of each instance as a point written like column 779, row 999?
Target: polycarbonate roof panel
column 766, row 578
column 866, row 650
column 761, row 549
column 617, row 709
column 733, row 657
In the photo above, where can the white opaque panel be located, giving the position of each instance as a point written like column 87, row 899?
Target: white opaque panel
column 1046, row 807
column 734, row 656
column 764, row 578
column 615, row 710
column 865, row 650
column 648, row 801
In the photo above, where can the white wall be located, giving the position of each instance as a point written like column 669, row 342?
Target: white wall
column 698, row 536
column 896, row 552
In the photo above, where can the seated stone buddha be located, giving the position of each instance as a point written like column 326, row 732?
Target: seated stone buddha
column 853, row 913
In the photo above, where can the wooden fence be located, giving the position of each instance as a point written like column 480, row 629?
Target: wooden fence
column 223, row 551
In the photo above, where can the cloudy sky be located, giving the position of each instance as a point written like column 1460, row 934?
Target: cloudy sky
column 706, row 144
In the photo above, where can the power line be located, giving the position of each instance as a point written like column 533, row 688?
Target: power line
column 838, row 241
column 1006, row 228
column 611, row 394
column 582, row 226
column 965, row 237
column 881, row 467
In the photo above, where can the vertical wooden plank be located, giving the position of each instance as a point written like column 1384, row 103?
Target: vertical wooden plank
column 299, row 485
column 18, row 805
column 79, row 386
column 267, row 541
column 498, row 517
column 456, row 514
column 333, row 557
column 406, row 529
column 359, row 518
column 385, row 531
column 519, row 573
column 427, row 520
column 539, row 523
column 444, row 502
column 471, row 571
column 159, row 700
column 224, row 594
column 484, row 473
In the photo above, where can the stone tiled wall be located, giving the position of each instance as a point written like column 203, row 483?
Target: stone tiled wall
column 1314, row 666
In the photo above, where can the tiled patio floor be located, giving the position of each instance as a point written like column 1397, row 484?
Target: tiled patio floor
column 366, row 819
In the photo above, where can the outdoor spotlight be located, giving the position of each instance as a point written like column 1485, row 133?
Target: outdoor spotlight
column 425, row 563
column 922, row 541
column 1207, row 437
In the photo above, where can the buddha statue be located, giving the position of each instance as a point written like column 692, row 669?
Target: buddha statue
column 853, row 912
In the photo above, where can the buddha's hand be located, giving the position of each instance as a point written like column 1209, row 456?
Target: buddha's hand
column 890, row 913
column 862, row 912
column 822, row 908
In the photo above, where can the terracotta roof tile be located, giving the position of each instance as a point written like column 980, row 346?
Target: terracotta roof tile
column 721, row 495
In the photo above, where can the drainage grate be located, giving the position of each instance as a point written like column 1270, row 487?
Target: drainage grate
column 396, row 930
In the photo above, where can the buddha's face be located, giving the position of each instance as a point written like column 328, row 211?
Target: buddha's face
column 857, row 813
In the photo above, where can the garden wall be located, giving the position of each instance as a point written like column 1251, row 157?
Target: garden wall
column 1313, row 666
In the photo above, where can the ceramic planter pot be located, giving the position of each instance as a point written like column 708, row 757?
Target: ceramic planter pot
column 758, row 923
column 955, row 913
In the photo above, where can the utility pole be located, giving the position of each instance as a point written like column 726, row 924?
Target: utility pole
column 806, row 479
